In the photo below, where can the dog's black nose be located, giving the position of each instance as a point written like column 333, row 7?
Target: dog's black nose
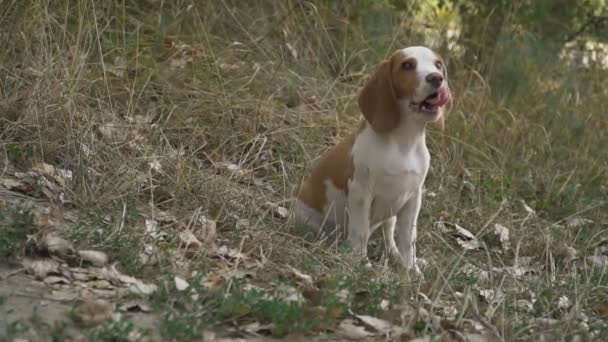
column 435, row 79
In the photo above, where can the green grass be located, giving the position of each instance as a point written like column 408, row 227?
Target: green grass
column 103, row 89
column 17, row 222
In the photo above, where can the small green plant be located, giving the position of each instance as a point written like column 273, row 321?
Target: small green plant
column 117, row 234
column 16, row 222
column 115, row 331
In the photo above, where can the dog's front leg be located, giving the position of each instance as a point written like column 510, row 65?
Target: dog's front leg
column 406, row 231
column 359, row 206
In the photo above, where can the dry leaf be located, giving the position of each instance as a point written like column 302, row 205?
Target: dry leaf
column 563, row 303
column 422, row 339
column 100, row 284
column 465, row 238
column 189, row 240
column 576, row 222
column 502, row 233
column 206, row 233
column 570, row 254
column 256, row 327
column 242, row 224
column 181, row 284
column 41, row 268
column 118, row 68
column 234, row 168
column 156, row 166
column 135, row 285
column 92, row 312
column 492, row 296
column 524, row 304
column 229, row 67
column 476, row 338
column 348, row 329
column 229, row 254
column 305, row 278
column 213, row 281
column 598, row 260
column 51, row 280
column 527, row 209
column 62, row 295
column 57, row 245
column 135, row 306
column 15, row 185
column 60, row 176
column 379, row 325
column 278, row 211
column 96, row 258
column 289, row 294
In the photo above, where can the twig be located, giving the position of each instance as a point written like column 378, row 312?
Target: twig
column 11, row 273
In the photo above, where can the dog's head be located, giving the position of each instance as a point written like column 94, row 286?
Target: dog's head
column 413, row 81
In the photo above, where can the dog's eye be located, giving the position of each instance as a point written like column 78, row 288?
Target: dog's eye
column 439, row 65
column 407, row 66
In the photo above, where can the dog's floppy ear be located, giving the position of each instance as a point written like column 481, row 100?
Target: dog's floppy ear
column 440, row 122
column 378, row 101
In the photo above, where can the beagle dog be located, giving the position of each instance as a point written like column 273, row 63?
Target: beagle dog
column 374, row 177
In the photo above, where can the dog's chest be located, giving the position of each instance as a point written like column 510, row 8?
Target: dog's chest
column 395, row 174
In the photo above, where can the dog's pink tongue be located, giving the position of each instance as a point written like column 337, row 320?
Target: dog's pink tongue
column 442, row 98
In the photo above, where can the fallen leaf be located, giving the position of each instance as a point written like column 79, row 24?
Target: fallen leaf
column 527, row 209
column 492, row 296
column 563, row 303
column 524, row 304
column 229, row 67
column 229, row 254
column 52, row 280
column 576, row 222
column 349, row 330
column 277, row 211
column 546, row 321
column 64, row 295
column 206, row 233
column 598, row 260
column 502, row 233
column 292, row 50
column 41, row 268
column 242, row 224
column 213, row 281
column 96, row 258
column 118, row 68
column 135, row 306
column 181, row 284
column 189, row 240
column 135, row 285
column 100, row 284
column 289, row 294
column 15, row 185
column 469, row 337
column 305, row 278
column 156, row 166
column 92, row 312
column 256, row 327
column 57, row 245
column 60, row 176
column 421, row 339
column 570, row 254
column 234, row 168
column 379, row 325
column 151, row 227
column 465, row 238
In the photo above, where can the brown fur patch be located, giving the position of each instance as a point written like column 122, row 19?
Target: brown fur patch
column 336, row 165
column 390, row 82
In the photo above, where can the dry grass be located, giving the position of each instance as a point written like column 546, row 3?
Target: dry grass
column 110, row 89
